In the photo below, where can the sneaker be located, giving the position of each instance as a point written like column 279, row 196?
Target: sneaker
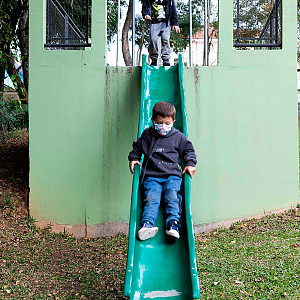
column 154, row 62
column 173, row 229
column 147, row 231
column 166, row 63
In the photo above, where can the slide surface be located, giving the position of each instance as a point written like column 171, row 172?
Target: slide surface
column 161, row 267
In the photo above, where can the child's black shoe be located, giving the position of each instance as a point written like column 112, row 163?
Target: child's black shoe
column 147, row 231
column 173, row 229
column 154, row 62
column 166, row 63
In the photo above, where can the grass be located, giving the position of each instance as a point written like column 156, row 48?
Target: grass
column 256, row 259
column 6, row 201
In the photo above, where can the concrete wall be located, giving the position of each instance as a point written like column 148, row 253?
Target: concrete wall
column 83, row 118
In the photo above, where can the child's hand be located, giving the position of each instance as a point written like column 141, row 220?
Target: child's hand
column 191, row 170
column 132, row 163
column 176, row 28
column 147, row 17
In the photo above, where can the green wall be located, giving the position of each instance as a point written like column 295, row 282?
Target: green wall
column 83, row 118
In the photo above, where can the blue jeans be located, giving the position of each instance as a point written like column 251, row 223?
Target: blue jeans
column 154, row 188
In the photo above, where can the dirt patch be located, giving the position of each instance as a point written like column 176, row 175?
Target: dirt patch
column 38, row 264
column 14, row 172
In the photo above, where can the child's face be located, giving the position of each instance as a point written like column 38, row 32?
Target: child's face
column 163, row 125
column 163, row 120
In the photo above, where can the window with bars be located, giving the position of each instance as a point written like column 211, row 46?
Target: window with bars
column 68, row 24
column 257, row 24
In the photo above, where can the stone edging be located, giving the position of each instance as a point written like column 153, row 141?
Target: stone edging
column 112, row 229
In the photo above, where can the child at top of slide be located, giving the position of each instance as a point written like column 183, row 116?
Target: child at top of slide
column 162, row 15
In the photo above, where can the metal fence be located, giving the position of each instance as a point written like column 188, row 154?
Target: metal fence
column 265, row 31
column 68, row 24
column 133, row 25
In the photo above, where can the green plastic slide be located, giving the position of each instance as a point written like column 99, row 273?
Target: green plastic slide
column 161, row 267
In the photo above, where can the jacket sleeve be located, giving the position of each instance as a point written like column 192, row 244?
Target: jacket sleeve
column 146, row 8
column 137, row 150
column 173, row 14
column 187, row 152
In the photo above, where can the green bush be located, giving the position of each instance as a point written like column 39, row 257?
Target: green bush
column 13, row 115
column 20, row 113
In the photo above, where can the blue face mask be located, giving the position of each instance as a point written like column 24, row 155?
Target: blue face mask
column 163, row 129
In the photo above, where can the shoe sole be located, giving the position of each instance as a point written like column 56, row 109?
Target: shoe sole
column 147, row 233
column 173, row 233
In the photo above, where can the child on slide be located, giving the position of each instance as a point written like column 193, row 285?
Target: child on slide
column 162, row 145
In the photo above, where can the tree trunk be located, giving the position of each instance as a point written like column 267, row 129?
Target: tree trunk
column 23, row 36
column 125, row 42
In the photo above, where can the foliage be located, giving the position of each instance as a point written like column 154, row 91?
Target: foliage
column 7, row 33
column 11, row 21
column 112, row 18
column 180, row 41
column 252, row 16
column 6, row 201
column 7, row 36
column 21, row 114
column 7, row 117
column 76, row 9
column 13, row 115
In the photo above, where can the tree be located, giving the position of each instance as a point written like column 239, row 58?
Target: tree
column 14, row 37
column 180, row 41
column 253, row 15
column 125, row 38
column 112, row 17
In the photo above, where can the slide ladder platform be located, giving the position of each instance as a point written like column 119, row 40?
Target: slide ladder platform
column 161, row 267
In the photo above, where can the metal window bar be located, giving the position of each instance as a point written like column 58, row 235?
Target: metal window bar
column 118, row 31
column 63, row 30
column 191, row 33
column 270, row 36
column 268, row 28
column 238, row 21
column 133, row 32
column 206, row 32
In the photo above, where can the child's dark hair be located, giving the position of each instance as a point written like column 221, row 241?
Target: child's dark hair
column 164, row 109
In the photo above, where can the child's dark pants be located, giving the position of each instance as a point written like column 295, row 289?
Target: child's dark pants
column 154, row 188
